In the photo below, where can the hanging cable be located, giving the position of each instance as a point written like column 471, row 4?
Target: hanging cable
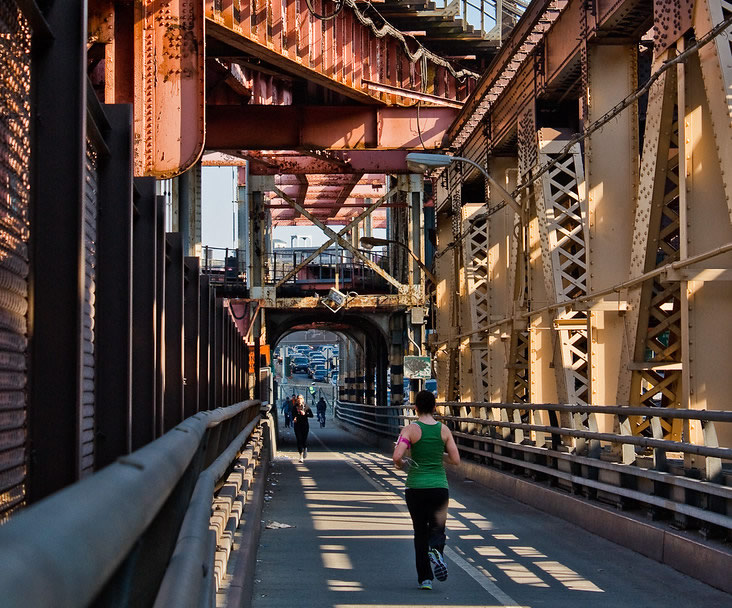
column 339, row 7
column 387, row 29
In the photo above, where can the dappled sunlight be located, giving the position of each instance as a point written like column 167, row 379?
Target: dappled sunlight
column 334, row 585
column 569, row 578
column 366, row 537
column 345, row 522
column 335, row 557
column 488, row 551
column 375, row 521
column 520, row 574
column 513, row 562
column 527, row 552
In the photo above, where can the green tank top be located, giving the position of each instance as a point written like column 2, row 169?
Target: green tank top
column 427, row 453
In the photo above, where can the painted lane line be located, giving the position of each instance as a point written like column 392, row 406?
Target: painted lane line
column 506, row 600
column 481, row 579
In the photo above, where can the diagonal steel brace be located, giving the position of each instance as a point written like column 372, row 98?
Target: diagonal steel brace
column 334, row 236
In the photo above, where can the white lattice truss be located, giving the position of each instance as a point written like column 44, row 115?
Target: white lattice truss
column 477, row 274
column 562, row 212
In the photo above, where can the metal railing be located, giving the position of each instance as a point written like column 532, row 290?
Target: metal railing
column 224, row 265
column 572, row 456
column 136, row 530
column 352, row 273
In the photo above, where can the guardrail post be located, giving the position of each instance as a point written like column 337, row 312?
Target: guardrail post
column 627, row 452
column 713, row 465
column 659, row 455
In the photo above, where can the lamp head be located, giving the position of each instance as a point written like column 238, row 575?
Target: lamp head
column 371, row 241
column 419, row 162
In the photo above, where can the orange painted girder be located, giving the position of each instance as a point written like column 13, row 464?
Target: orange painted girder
column 169, row 86
column 325, row 127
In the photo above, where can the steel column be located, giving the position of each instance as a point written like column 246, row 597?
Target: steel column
column 114, row 291
column 57, row 246
column 192, row 369
column 205, row 334
column 144, row 315
column 396, row 357
column 217, row 354
column 173, row 332
column 611, row 182
column 707, row 225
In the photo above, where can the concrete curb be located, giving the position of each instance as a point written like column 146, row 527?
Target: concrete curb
column 241, row 588
column 690, row 555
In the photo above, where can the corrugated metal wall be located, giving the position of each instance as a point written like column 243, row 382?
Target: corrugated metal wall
column 15, row 46
column 91, row 190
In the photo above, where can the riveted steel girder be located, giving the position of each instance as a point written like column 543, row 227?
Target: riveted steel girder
column 169, row 86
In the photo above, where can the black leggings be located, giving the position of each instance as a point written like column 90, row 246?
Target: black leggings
column 428, row 509
column 301, row 435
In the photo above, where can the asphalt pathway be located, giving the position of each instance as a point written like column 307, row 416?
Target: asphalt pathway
column 337, row 534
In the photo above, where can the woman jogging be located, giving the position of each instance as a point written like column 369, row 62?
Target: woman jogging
column 427, row 493
column 300, row 414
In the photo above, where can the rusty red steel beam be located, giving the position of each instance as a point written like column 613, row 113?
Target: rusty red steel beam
column 169, row 92
column 338, row 54
column 292, row 162
column 326, row 127
column 330, row 206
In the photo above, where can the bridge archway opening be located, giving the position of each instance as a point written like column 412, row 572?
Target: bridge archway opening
column 363, row 356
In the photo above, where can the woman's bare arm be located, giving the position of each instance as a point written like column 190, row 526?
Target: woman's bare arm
column 405, row 441
column 453, row 455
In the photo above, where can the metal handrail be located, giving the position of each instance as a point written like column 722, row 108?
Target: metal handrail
column 183, row 584
column 529, row 457
column 64, row 550
column 678, row 446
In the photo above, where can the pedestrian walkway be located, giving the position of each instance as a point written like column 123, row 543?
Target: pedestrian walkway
column 338, row 535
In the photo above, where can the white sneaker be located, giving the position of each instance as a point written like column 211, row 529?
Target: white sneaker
column 300, row 457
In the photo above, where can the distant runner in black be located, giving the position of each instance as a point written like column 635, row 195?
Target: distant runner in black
column 300, row 414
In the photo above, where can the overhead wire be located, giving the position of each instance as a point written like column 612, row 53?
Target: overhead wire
column 387, row 29
column 339, row 7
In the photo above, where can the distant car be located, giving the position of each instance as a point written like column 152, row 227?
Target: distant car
column 319, row 374
column 314, row 362
column 316, row 368
column 299, row 364
column 431, row 385
column 334, row 378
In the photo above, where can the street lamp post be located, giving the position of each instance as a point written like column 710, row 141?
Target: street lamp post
column 370, row 241
column 419, row 162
